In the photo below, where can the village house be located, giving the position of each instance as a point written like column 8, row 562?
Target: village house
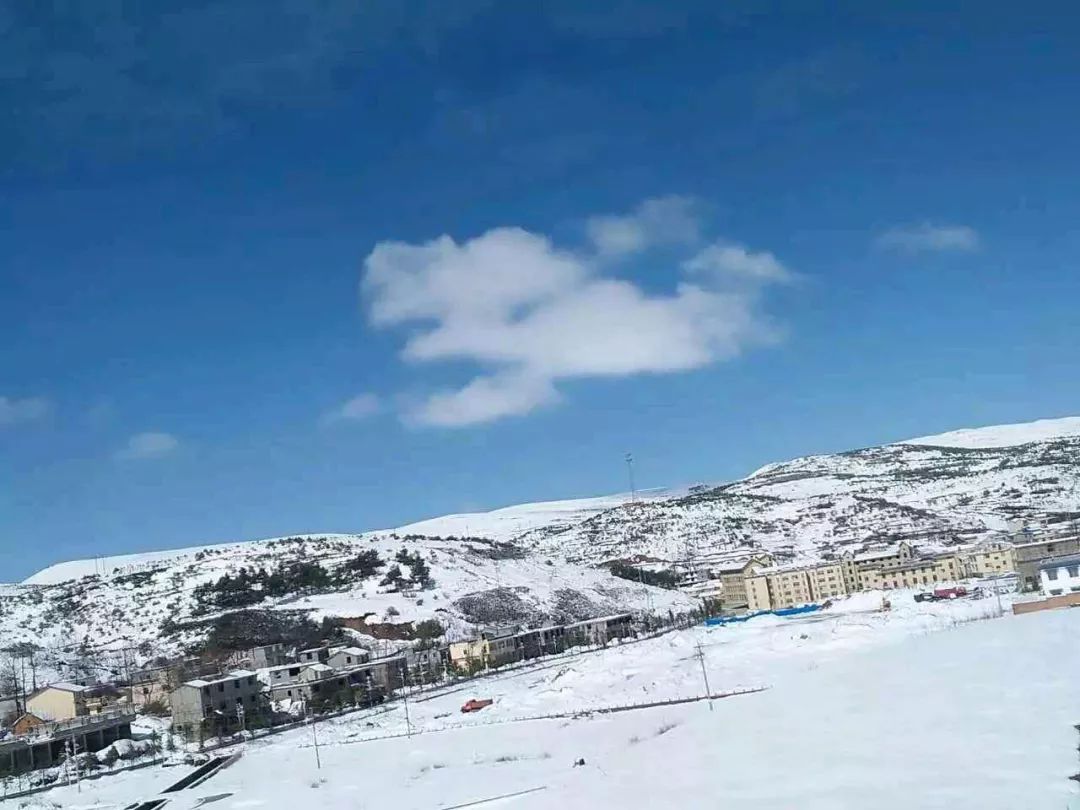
column 314, row 655
column 1030, row 557
column 345, row 657
column 218, row 705
column 43, row 744
column 64, row 701
column 1060, row 576
column 26, row 724
column 496, row 646
column 261, row 657
column 541, row 641
column 600, row 630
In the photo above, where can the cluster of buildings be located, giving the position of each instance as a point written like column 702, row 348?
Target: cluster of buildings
column 63, row 718
column 274, row 675
column 501, row 645
column 757, row 581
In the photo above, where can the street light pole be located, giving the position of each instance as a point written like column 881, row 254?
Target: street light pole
column 630, row 474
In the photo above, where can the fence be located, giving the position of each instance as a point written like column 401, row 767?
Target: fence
column 581, row 712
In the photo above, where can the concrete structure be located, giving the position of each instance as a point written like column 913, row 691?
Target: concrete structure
column 46, row 745
column 732, row 578
column 496, row 646
column 1060, row 575
column 262, row 657
column 864, row 564
column 314, row 655
column 284, row 674
column 989, row 558
column 217, row 705
column 1030, row 556
column 59, row 701
column 790, row 585
column 346, row 657
column 600, row 630
column 920, row 573
column 540, row 641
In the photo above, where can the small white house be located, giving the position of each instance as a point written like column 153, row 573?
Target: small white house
column 1060, row 576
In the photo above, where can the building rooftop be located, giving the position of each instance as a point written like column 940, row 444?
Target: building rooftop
column 1060, row 562
column 319, row 668
column 600, row 619
column 64, row 686
column 231, row 676
column 351, row 651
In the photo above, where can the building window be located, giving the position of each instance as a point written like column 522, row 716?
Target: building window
column 1073, row 570
column 1052, row 573
column 221, row 687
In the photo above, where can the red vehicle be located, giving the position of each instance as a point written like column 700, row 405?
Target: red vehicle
column 952, row 592
column 475, row 705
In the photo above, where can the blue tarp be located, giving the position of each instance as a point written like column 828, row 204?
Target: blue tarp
column 718, row 621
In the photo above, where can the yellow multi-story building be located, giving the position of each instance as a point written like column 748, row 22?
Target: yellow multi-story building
column 990, row 558
column 789, row 585
column 920, row 573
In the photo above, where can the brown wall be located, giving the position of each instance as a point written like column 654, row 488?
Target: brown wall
column 1065, row 600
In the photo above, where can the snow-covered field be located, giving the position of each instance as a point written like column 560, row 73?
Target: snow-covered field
column 921, row 707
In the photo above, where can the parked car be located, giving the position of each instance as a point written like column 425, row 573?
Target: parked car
column 475, row 705
column 924, row 597
column 950, row 592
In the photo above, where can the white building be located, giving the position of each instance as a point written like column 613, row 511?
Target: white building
column 1060, row 576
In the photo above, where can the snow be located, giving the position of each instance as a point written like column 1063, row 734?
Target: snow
column 924, row 706
column 1004, row 435
column 513, row 520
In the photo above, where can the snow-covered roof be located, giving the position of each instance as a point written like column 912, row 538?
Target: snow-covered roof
column 231, row 676
column 1060, row 562
column 65, row 686
column 350, row 651
column 319, row 668
column 599, row 619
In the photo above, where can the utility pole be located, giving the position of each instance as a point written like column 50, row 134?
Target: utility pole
column 315, row 740
column 405, row 697
column 704, row 674
column 630, row 474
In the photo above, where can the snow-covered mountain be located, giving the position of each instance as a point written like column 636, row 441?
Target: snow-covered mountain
column 535, row 561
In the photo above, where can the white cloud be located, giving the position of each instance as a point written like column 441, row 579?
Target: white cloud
column 356, row 409
column 485, row 399
column 658, row 221
column 151, row 444
column 530, row 314
column 16, row 411
column 927, row 237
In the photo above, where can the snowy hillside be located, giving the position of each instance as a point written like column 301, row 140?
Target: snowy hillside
column 1005, row 435
column 159, row 603
column 535, row 561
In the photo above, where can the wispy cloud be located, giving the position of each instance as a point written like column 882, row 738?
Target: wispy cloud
column 662, row 220
column 531, row 314
column 17, row 411
column 152, row 444
column 360, row 407
column 929, row 238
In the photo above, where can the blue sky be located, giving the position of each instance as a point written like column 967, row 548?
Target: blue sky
column 272, row 267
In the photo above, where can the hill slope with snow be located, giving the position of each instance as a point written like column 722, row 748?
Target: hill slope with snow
column 535, row 561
